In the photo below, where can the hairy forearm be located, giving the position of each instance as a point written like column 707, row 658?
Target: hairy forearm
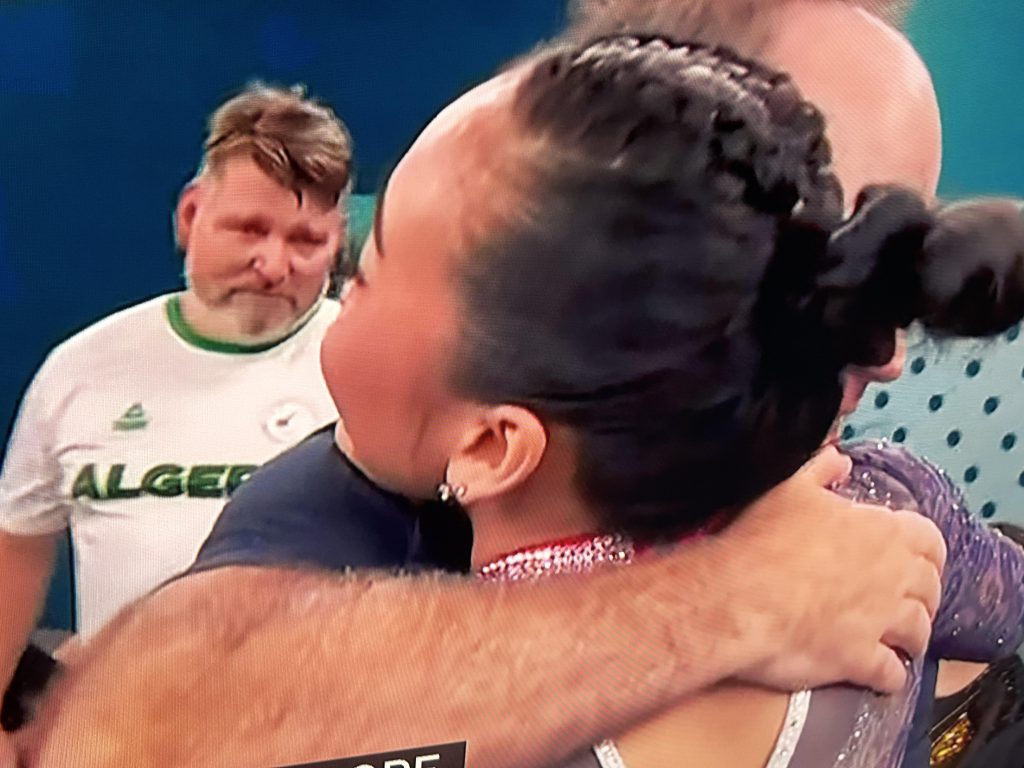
column 248, row 667
column 262, row 667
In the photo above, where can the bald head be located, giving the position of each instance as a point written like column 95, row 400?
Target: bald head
column 740, row 24
column 861, row 72
column 871, row 85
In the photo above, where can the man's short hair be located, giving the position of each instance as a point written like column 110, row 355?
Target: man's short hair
column 743, row 25
column 298, row 141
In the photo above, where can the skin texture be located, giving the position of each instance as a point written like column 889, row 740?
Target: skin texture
column 868, row 70
column 26, row 563
column 255, row 679
column 257, row 256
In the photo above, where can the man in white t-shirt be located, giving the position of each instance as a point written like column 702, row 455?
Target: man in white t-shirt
column 135, row 430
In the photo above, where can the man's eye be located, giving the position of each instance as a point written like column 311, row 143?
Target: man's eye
column 251, row 228
column 309, row 240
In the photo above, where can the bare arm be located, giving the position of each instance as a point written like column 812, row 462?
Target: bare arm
column 33, row 515
column 269, row 667
column 25, row 566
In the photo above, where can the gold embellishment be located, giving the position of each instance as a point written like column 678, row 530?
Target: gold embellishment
column 954, row 740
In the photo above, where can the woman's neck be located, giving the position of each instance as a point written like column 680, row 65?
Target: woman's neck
column 524, row 520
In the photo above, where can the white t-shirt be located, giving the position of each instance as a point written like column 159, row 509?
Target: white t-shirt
column 135, row 430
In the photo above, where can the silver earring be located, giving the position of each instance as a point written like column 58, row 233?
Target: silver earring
column 450, row 493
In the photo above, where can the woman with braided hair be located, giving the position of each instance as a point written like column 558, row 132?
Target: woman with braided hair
column 644, row 299
column 645, row 302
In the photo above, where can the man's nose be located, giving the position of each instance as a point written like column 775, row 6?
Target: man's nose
column 271, row 261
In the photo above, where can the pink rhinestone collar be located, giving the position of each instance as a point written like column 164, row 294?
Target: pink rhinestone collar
column 578, row 555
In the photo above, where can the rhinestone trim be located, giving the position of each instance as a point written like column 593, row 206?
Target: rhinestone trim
column 578, row 556
column 608, row 755
column 796, row 717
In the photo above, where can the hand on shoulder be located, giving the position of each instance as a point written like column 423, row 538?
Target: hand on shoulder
column 837, row 591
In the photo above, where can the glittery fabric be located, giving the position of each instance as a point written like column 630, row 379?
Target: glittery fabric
column 981, row 617
column 982, row 613
column 792, row 729
column 576, row 556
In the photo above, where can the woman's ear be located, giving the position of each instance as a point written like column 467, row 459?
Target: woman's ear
column 501, row 452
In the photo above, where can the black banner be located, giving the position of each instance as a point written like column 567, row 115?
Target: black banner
column 437, row 756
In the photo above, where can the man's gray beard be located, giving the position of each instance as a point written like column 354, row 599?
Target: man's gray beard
column 245, row 307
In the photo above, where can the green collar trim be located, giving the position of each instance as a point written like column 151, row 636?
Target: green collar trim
column 190, row 336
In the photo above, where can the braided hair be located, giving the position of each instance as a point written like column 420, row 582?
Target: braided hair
column 680, row 286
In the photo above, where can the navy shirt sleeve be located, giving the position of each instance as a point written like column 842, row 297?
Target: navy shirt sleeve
column 312, row 507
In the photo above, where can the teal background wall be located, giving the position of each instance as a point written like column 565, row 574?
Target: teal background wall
column 102, row 104
column 975, row 53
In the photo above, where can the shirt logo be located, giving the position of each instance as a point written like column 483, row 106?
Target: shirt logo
column 133, row 418
column 289, row 422
column 202, row 481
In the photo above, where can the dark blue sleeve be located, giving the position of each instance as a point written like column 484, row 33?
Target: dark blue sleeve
column 310, row 507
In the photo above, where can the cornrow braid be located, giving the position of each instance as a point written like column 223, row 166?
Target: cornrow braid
column 678, row 285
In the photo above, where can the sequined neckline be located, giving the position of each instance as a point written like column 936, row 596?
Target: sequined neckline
column 576, row 555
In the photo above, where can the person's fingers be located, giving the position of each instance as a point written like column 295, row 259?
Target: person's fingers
column 828, row 466
column 924, row 585
column 912, row 629
column 861, row 585
column 885, row 671
column 923, row 537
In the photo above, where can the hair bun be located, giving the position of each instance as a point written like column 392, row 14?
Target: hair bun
column 972, row 268
column 958, row 270
column 868, row 284
column 881, row 213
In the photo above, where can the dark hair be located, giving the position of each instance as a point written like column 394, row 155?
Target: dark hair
column 679, row 286
column 1013, row 532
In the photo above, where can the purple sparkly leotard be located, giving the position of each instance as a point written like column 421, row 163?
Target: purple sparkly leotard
column 981, row 617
